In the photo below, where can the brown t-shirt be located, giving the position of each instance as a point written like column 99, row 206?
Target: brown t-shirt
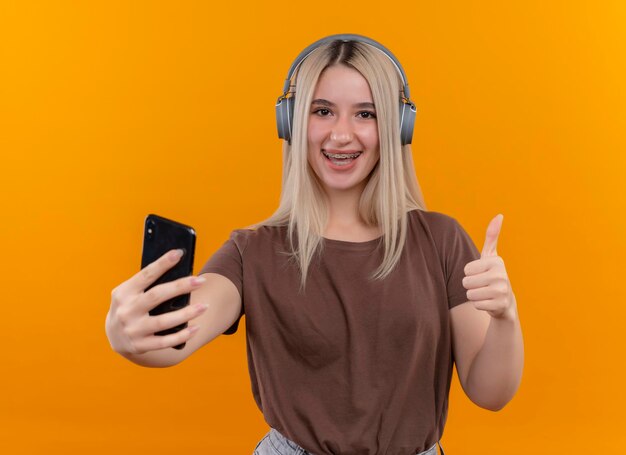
column 352, row 366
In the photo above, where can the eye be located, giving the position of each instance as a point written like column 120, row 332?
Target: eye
column 322, row 112
column 367, row 115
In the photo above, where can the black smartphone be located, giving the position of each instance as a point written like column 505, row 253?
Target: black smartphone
column 161, row 235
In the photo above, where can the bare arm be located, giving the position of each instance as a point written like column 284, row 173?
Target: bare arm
column 489, row 355
column 486, row 331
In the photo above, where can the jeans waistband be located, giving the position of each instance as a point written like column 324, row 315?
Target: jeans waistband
column 286, row 446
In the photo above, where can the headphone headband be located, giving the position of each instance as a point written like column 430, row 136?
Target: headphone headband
column 346, row 37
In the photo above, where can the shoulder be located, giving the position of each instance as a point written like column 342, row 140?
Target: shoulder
column 436, row 223
column 256, row 236
column 442, row 230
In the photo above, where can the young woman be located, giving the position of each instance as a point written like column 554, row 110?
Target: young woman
column 358, row 300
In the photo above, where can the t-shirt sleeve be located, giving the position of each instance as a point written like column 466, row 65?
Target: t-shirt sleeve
column 228, row 261
column 459, row 251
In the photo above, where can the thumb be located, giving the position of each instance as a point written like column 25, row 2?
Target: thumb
column 491, row 238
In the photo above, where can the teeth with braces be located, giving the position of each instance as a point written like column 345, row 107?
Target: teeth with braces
column 352, row 155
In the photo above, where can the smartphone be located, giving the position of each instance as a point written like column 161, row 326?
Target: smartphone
column 160, row 236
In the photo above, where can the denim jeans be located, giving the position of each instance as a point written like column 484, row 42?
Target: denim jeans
column 274, row 443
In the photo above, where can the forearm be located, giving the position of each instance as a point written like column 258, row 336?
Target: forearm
column 162, row 358
column 496, row 371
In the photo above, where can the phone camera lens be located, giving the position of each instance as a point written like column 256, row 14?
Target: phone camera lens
column 150, row 229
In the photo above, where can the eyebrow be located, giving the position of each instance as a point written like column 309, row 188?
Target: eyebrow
column 323, row 102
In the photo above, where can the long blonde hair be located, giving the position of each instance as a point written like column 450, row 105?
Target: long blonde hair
column 392, row 189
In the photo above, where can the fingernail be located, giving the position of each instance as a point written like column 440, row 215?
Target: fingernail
column 198, row 280
column 177, row 254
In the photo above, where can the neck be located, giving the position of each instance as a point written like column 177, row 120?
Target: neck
column 343, row 207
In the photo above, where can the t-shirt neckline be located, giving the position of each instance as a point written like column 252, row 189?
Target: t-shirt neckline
column 352, row 246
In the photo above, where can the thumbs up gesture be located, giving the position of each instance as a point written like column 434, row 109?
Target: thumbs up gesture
column 486, row 279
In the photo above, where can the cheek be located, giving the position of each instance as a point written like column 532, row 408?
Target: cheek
column 310, row 155
column 312, row 151
column 368, row 136
column 372, row 137
column 314, row 132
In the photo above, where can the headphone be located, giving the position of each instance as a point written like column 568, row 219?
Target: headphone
column 285, row 103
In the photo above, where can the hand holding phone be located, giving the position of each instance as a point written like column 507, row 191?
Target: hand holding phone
column 160, row 236
column 152, row 304
column 129, row 326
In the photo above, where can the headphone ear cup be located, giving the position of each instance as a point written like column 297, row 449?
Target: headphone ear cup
column 284, row 117
column 407, row 121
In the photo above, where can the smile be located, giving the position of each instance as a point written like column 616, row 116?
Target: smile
column 341, row 155
column 341, row 160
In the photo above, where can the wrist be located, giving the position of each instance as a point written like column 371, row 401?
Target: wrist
column 510, row 314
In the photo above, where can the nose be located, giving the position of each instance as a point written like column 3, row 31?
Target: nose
column 341, row 131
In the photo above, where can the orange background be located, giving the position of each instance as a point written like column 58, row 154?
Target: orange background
column 113, row 110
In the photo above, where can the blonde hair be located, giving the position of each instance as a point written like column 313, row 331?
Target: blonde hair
column 392, row 188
